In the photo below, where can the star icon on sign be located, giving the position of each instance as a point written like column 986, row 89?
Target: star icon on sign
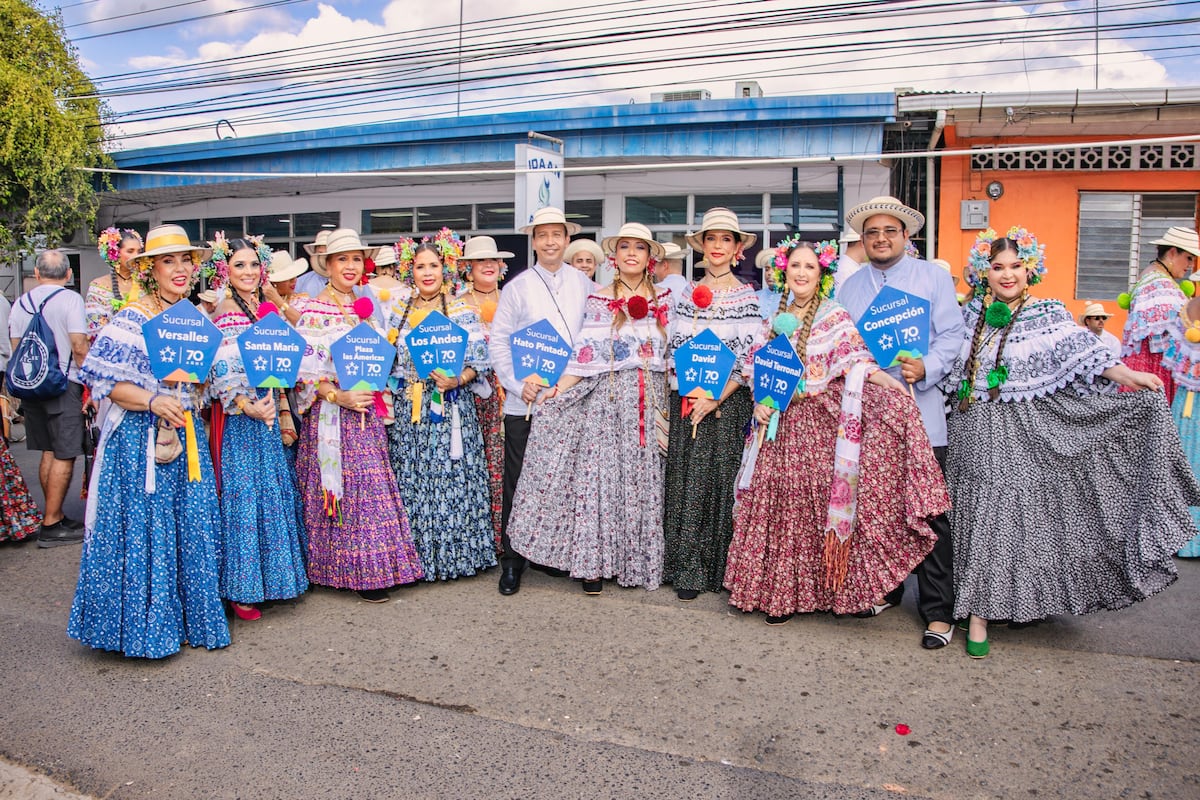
column 426, row 358
column 527, row 361
column 260, row 364
column 167, row 354
column 886, row 341
column 764, row 381
column 690, row 375
column 352, row 368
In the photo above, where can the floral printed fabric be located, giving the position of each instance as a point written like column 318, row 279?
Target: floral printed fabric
column 1154, row 305
column 600, row 349
column 19, row 515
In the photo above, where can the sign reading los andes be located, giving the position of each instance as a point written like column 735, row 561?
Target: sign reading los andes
column 182, row 343
column 271, row 351
column 437, row 343
column 362, row 359
column 539, row 354
column 777, row 373
column 703, row 365
column 895, row 324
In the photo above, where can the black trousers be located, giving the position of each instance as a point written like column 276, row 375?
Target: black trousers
column 516, row 435
column 935, row 575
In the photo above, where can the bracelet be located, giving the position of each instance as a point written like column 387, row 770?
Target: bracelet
column 241, row 404
column 331, row 396
column 283, row 308
column 150, row 403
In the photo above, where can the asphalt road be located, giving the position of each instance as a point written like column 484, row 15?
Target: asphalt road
column 451, row 690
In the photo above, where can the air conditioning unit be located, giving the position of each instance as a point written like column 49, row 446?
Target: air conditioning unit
column 681, row 95
column 743, row 89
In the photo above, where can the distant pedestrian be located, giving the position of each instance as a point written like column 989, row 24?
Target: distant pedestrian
column 586, row 256
column 312, row 283
column 55, row 425
column 109, row 293
column 1093, row 318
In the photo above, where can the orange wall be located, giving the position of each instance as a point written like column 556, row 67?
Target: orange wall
column 1047, row 203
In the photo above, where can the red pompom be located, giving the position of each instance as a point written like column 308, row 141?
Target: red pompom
column 368, row 271
column 267, row 308
column 364, row 307
column 702, row 296
column 638, row 307
column 903, row 729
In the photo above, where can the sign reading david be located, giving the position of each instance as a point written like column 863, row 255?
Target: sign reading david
column 271, row 351
column 703, row 365
column 539, row 181
column 182, row 344
column 895, row 324
column 362, row 359
column 437, row 343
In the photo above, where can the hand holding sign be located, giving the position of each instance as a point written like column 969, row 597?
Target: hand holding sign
column 539, row 356
column 271, row 351
column 895, row 326
column 182, row 344
column 777, row 374
column 702, row 366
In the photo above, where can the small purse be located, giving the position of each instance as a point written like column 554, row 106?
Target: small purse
column 167, row 444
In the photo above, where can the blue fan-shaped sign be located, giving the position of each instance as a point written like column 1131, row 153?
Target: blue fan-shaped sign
column 703, row 365
column 182, row 343
column 437, row 343
column 363, row 359
column 777, row 372
column 271, row 351
column 538, row 352
column 895, row 324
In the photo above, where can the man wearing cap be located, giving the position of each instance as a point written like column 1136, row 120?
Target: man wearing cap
column 545, row 291
column 1093, row 318
column 313, row 283
column 208, row 302
column 852, row 257
column 885, row 225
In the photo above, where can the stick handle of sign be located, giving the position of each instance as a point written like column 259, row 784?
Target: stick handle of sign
column 362, row 420
column 912, row 393
column 271, row 394
column 528, row 411
column 694, row 424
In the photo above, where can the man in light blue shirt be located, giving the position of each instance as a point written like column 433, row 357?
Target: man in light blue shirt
column 886, row 225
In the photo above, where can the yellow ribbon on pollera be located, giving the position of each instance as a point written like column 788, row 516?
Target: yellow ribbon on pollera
column 1187, row 404
column 414, row 395
column 193, row 451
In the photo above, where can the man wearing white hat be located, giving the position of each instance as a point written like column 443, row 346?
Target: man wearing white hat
column 669, row 274
column 1093, row 318
column 282, row 277
column 208, row 302
column 768, row 295
column 313, row 283
column 852, row 257
column 885, row 225
column 545, row 291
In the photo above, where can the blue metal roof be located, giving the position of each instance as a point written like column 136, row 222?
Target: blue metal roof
column 770, row 127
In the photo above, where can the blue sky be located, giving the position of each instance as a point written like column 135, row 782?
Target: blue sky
column 144, row 58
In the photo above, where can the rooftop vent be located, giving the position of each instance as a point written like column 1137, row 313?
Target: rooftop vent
column 681, row 95
column 747, row 89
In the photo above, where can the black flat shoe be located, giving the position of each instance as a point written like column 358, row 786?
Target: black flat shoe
column 687, row 595
column 932, row 640
column 873, row 611
column 779, row 620
column 551, row 571
column 510, row 579
column 374, row 595
column 593, row 587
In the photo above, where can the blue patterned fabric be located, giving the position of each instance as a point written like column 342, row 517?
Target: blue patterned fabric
column 1189, row 437
column 148, row 570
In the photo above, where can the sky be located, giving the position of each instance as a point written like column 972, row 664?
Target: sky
column 194, row 70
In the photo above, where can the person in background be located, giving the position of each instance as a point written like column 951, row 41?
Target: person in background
column 854, row 255
column 208, row 302
column 768, row 295
column 586, row 256
column 669, row 274
column 1093, row 318
column 54, row 426
column 109, row 293
column 280, row 287
column 313, row 283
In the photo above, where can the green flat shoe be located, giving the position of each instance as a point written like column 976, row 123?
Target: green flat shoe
column 978, row 649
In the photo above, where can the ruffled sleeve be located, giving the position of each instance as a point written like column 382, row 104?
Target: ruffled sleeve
column 228, row 377
column 464, row 316
column 1153, row 313
column 321, row 325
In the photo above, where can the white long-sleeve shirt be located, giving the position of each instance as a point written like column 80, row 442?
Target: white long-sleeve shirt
column 535, row 295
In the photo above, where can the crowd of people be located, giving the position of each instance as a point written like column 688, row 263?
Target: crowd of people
column 1003, row 466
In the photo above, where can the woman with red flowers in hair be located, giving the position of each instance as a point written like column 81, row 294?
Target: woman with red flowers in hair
column 836, row 512
column 590, row 499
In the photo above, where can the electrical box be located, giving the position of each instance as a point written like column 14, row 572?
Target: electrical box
column 974, row 214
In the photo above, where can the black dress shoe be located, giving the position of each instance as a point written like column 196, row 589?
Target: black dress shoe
column 593, row 587
column 551, row 571
column 510, row 579
column 687, row 595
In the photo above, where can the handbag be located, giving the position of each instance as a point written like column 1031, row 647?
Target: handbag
column 167, row 444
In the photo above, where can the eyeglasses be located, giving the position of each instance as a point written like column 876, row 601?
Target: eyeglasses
column 879, row 233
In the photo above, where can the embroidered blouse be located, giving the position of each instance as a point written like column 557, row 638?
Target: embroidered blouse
column 321, row 324
column 97, row 306
column 228, row 378
column 834, row 347
column 636, row 344
column 1154, row 306
column 733, row 316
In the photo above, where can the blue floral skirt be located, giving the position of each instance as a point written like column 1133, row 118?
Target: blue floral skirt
column 1189, row 437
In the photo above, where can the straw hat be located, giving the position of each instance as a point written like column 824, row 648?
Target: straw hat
column 943, row 263
column 385, row 257
column 912, row 219
column 850, row 236
column 1180, row 238
column 633, row 230
column 765, row 258
column 1094, row 310
column 322, row 238
column 583, row 245
column 550, row 216
column 719, row 219
column 207, row 296
column 284, row 267
column 478, row 248
column 171, row 239
column 343, row 240
column 673, row 252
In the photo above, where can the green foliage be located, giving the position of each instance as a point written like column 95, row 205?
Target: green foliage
column 50, row 125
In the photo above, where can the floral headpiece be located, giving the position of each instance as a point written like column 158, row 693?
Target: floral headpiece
column 449, row 248
column 216, row 269
column 109, row 244
column 827, row 257
column 1031, row 254
column 910, row 249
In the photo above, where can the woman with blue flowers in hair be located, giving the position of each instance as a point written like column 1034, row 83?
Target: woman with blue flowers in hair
column 836, row 511
column 1067, row 497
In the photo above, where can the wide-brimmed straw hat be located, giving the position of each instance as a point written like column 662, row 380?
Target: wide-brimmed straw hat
column 719, row 219
column 583, row 245
column 322, row 237
column 634, row 230
column 343, row 240
column 1094, row 310
column 1184, row 239
column 284, row 267
column 479, row 248
column 673, row 252
column 765, row 258
column 171, row 239
column 850, row 236
column 550, row 216
column 207, row 296
column 912, row 219
column 386, row 256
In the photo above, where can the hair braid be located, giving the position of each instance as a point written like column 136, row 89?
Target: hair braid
column 964, row 399
column 806, row 328
column 237, row 298
column 783, row 298
column 994, row 392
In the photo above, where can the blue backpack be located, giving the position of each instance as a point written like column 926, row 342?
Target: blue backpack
column 33, row 370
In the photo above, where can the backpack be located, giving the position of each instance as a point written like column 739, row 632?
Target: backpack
column 33, row 370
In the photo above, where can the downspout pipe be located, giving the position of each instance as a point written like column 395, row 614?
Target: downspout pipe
column 931, row 189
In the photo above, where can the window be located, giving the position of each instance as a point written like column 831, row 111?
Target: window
column 657, row 210
column 494, row 216
column 431, row 219
column 818, row 213
column 586, row 213
column 232, row 227
column 397, row 221
column 190, row 226
column 1115, row 231
column 305, row 227
column 748, row 207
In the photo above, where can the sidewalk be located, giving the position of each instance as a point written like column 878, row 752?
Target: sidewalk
column 18, row 783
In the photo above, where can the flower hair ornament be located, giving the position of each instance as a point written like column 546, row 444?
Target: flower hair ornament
column 216, row 269
column 1029, row 252
column 109, row 244
column 449, row 248
column 827, row 257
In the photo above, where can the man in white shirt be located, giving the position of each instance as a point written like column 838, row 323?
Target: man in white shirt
column 546, row 291
column 1093, row 318
column 669, row 274
column 312, row 283
column 854, row 255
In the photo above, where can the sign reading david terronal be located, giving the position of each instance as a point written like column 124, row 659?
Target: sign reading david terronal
column 437, row 343
column 182, row 344
column 895, row 324
column 777, row 373
column 271, row 351
column 362, row 359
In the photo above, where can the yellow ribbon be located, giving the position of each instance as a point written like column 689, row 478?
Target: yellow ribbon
column 193, row 452
column 414, row 394
column 1187, row 404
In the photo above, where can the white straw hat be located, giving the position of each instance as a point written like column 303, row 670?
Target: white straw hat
column 633, row 230
column 765, row 258
column 207, row 296
column 1094, row 310
column 385, row 257
column 284, row 267
column 1180, row 238
column 321, row 238
column 850, row 236
column 912, row 219
column 550, row 216
column 719, row 219
column 481, row 247
column 580, row 245
column 673, row 252
column 343, row 240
